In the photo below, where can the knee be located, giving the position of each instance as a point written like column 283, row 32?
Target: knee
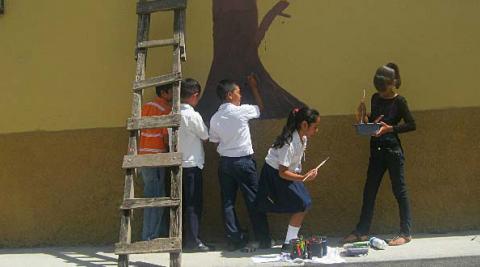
column 301, row 214
column 400, row 193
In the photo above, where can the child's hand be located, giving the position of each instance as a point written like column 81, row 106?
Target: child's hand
column 311, row 175
column 252, row 80
column 384, row 129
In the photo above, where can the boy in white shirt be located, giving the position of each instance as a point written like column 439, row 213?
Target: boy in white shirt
column 237, row 167
column 192, row 133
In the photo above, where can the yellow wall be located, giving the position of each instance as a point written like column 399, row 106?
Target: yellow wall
column 69, row 64
column 338, row 44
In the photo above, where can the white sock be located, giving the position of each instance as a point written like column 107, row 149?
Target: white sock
column 292, row 233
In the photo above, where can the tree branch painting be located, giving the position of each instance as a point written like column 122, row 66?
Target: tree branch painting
column 236, row 38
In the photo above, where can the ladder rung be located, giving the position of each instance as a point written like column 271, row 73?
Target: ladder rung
column 157, row 43
column 147, row 7
column 134, row 203
column 164, row 121
column 160, row 80
column 152, row 160
column 151, row 246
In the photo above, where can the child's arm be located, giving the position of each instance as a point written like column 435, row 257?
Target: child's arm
column 199, row 127
column 409, row 122
column 252, row 81
column 212, row 135
column 286, row 174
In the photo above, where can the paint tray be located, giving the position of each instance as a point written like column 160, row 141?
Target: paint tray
column 367, row 128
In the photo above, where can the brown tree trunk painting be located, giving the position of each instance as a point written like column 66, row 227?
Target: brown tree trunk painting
column 236, row 38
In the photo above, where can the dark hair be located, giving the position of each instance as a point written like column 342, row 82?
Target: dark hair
column 387, row 75
column 295, row 119
column 224, row 87
column 162, row 88
column 189, row 87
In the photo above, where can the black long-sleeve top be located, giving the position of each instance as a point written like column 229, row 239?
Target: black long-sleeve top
column 394, row 110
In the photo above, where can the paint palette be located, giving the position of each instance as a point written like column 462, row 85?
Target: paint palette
column 367, row 128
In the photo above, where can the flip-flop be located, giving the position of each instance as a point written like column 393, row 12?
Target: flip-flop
column 354, row 237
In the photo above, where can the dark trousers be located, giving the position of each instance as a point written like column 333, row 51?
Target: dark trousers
column 382, row 159
column 241, row 173
column 192, row 185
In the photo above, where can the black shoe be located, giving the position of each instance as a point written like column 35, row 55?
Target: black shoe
column 266, row 244
column 200, row 247
column 251, row 247
column 286, row 248
column 232, row 246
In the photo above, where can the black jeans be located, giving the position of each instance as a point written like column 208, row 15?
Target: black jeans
column 192, row 184
column 381, row 159
column 235, row 173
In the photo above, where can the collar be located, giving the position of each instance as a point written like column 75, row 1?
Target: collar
column 225, row 106
column 296, row 138
column 186, row 106
column 162, row 102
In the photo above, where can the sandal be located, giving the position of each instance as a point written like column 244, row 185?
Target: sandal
column 354, row 237
column 399, row 240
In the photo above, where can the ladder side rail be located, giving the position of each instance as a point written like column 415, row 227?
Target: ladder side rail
column 125, row 223
column 176, row 172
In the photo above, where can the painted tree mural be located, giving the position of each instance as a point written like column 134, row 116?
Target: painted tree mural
column 236, row 38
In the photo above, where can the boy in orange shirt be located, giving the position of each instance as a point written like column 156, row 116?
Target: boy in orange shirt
column 154, row 141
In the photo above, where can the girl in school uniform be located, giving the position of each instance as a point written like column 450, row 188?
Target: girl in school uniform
column 282, row 188
column 386, row 152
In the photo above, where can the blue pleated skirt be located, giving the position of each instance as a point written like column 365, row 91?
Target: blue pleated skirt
column 279, row 195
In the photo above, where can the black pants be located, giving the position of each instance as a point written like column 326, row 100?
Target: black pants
column 192, row 184
column 382, row 159
column 241, row 173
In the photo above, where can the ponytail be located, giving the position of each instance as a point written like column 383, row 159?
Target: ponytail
column 295, row 118
column 398, row 80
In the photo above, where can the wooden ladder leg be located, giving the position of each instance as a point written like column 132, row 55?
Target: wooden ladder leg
column 176, row 179
column 123, row 261
column 125, row 223
column 176, row 214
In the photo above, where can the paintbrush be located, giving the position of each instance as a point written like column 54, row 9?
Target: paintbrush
column 363, row 109
column 316, row 168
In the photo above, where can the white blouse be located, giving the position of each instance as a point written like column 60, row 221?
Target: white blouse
column 289, row 155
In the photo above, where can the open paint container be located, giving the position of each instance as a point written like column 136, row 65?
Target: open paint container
column 367, row 128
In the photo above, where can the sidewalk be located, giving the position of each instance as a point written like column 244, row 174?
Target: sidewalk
column 455, row 249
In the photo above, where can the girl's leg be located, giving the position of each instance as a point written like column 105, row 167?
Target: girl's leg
column 376, row 170
column 294, row 226
column 399, row 188
column 297, row 219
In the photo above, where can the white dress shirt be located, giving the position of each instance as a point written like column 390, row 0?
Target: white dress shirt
column 191, row 133
column 229, row 128
column 289, row 155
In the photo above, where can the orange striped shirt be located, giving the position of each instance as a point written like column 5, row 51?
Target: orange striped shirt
column 154, row 140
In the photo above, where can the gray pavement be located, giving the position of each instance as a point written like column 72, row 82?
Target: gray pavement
column 453, row 249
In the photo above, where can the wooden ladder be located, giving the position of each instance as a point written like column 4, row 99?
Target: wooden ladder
column 135, row 123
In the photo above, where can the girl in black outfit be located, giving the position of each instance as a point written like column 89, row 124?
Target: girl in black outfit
column 386, row 153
